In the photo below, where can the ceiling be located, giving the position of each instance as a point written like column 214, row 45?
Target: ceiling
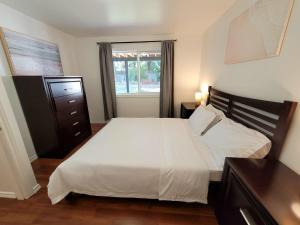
column 124, row 17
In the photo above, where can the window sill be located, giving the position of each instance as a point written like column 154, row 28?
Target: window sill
column 138, row 96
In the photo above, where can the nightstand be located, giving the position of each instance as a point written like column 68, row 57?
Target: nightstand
column 258, row 192
column 187, row 109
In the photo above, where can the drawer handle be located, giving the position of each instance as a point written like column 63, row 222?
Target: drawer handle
column 72, row 113
column 72, row 101
column 76, row 123
column 77, row 133
column 246, row 216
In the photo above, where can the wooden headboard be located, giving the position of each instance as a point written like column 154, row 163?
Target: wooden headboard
column 273, row 119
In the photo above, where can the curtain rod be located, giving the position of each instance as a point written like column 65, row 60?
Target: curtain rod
column 131, row 42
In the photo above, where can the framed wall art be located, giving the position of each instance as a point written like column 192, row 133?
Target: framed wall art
column 30, row 56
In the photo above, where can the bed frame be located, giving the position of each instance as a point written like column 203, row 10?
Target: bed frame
column 270, row 118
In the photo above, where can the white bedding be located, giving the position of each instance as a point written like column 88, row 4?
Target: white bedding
column 141, row 158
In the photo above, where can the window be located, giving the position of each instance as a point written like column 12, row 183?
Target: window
column 137, row 72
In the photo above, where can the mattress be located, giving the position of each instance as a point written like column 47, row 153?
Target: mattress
column 139, row 158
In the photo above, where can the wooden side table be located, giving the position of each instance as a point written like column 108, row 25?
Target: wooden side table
column 187, row 108
column 258, row 192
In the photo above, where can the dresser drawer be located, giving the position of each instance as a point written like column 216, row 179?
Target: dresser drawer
column 70, row 129
column 69, row 121
column 71, row 138
column 65, row 103
column 74, row 130
column 73, row 122
column 65, row 88
column 77, row 133
column 70, row 112
column 239, row 207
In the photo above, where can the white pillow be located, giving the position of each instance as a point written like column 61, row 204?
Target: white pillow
column 219, row 113
column 201, row 119
column 231, row 139
column 219, row 116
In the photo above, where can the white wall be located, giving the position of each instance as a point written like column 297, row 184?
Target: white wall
column 275, row 79
column 187, row 71
column 16, row 21
column 138, row 106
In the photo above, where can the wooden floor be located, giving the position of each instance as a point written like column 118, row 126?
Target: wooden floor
column 96, row 210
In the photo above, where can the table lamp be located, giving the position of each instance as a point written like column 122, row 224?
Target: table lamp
column 198, row 97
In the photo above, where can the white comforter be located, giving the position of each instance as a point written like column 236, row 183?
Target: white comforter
column 140, row 158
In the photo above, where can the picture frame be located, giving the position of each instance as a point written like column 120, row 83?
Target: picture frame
column 30, row 56
column 258, row 32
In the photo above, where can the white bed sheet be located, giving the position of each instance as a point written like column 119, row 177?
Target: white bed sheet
column 214, row 161
column 140, row 158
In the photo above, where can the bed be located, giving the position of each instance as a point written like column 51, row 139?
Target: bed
column 162, row 158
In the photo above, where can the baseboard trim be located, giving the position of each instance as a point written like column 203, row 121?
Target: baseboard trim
column 4, row 194
column 33, row 157
column 35, row 189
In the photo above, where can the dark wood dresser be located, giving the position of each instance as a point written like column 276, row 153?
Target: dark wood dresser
column 56, row 112
column 258, row 192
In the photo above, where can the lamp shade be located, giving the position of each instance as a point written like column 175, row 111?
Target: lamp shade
column 204, row 88
column 198, row 96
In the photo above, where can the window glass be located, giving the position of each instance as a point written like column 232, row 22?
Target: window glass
column 120, row 77
column 150, row 75
column 137, row 72
column 133, row 77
